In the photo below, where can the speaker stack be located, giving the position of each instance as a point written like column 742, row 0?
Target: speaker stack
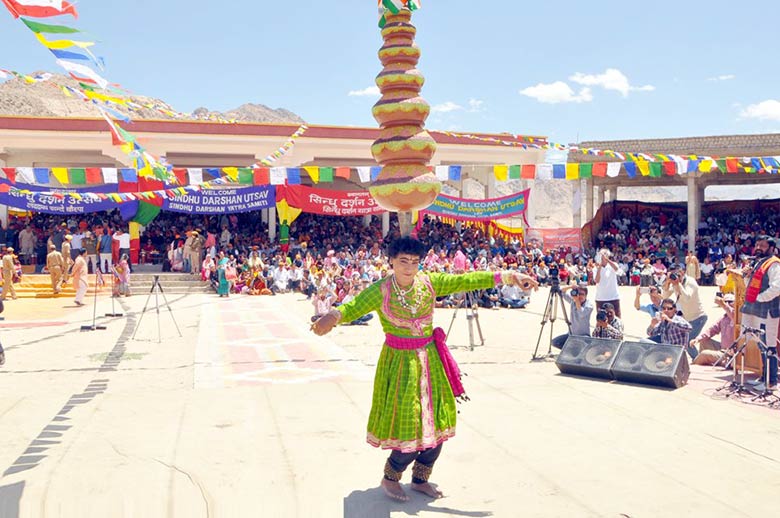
column 634, row 362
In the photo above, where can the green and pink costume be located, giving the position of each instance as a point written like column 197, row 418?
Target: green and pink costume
column 416, row 381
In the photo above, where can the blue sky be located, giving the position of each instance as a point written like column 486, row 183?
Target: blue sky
column 569, row 70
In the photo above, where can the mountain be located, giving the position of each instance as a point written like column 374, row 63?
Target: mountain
column 47, row 99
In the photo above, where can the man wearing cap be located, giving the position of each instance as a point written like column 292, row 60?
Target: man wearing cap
column 9, row 267
column 195, row 249
column 55, row 263
column 684, row 290
column 66, row 254
column 762, row 300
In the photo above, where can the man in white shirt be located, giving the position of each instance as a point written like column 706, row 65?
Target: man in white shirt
column 76, row 244
column 607, row 281
column 124, row 244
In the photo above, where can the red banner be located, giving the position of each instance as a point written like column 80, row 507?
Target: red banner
column 327, row 202
column 552, row 238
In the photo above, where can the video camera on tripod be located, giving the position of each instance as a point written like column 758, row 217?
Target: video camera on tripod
column 555, row 278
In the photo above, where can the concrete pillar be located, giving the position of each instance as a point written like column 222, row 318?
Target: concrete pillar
column 693, row 222
column 589, row 199
column 366, row 221
column 272, row 224
column 264, row 215
column 613, row 191
column 385, row 223
column 699, row 202
column 599, row 198
column 491, row 190
column 576, row 188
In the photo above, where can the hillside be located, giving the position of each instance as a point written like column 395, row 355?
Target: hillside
column 46, row 99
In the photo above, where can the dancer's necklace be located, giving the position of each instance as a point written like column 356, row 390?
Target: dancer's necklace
column 412, row 308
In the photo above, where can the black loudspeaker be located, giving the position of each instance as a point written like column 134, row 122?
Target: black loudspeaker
column 650, row 363
column 586, row 356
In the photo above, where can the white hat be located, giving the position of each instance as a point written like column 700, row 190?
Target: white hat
column 728, row 297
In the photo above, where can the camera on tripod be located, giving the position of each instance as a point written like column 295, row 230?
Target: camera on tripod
column 555, row 278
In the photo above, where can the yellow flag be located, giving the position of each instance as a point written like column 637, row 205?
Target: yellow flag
column 501, row 172
column 101, row 97
column 313, row 172
column 231, row 172
column 135, row 230
column 62, row 44
column 705, row 166
column 572, row 171
column 286, row 213
column 61, row 174
column 644, row 167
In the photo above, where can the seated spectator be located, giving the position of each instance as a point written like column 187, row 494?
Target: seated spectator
column 323, row 303
column 489, row 298
column 707, row 272
column 613, row 320
column 513, row 297
column 713, row 352
column 652, row 308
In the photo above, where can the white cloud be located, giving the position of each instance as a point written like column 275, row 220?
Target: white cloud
column 724, row 77
column 557, row 92
column 611, row 79
column 476, row 105
column 447, row 107
column 371, row 91
column 765, row 110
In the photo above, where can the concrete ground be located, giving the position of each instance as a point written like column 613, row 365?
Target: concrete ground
column 247, row 413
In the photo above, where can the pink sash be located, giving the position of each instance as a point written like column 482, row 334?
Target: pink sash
column 448, row 362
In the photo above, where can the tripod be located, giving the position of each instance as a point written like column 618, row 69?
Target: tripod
column 761, row 389
column 551, row 314
column 470, row 301
column 156, row 290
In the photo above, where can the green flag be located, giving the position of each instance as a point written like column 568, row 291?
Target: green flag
column 146, row 213
column 655, row 169
column 326, row 174
column 78, row 176
column 38, row 28
column 586, row 170
column 514, row 172
column 246, row 176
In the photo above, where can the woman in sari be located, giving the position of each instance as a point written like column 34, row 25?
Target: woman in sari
column 417, row 380
column 122, row 273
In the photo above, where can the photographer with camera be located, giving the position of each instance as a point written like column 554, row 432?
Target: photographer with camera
column 686, row 289
column 581, row 309
column 606, row 327
column 671, row 327
column 653, row 307
column 607, row 281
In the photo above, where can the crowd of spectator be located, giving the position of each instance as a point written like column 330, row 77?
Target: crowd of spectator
column 338, row 256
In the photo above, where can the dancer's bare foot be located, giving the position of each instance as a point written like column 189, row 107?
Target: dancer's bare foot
column 394, row 490
column 427, row 489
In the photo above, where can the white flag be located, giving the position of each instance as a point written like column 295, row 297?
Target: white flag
column 110, row 175
column 364, row 173
column 25, row 175
column 196, row 175
column 544, row 171
column 83, row 71
column 56, row 4
column 443, row 172
column 278, row 175
column 613, row 169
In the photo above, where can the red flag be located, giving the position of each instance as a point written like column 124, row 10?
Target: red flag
column 39, row 8
column 732, row 165
column 10, row 173
column 128, row 186
column 528, row 171
column 600, row 169
column 343, row 172
column 262, row 176
column 670, row 168
column 181, row 175
column 94, row 175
